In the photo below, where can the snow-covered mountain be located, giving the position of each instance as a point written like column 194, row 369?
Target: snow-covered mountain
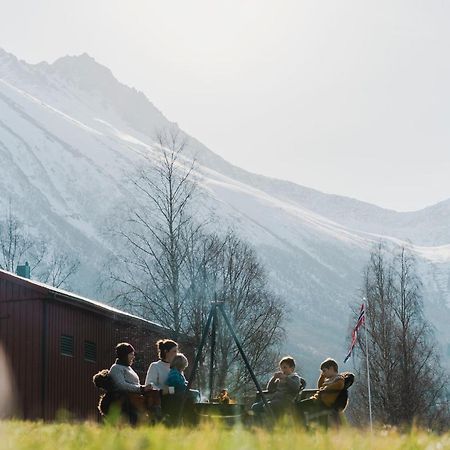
column 69, row 134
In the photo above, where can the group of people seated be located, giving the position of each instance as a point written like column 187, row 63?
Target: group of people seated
column 284, row 387
column 166, row 377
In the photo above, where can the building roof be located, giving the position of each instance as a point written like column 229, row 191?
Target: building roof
column 74, row 299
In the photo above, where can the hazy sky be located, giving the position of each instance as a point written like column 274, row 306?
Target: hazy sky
column 349, row 97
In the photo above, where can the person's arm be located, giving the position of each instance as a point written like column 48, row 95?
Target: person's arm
column 117, row 374
column 272, row 384
column 293, row 383
column 176, row 380
column 320, row 381
column 153, row 376
column 336, row 386
column 319, row 385
column 328, row 393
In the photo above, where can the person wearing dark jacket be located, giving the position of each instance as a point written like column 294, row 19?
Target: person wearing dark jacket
column 282, row 387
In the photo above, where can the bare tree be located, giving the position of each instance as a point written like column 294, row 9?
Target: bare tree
column 407, row 380
column 17, row 245
column 257, row 314
column 14, row 242
column 58, row 269
column 422, row 381
column 204, row 251
column 227, row 269
column 151, row 282
column 171, row 268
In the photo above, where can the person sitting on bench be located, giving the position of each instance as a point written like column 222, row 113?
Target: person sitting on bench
column 124, row 378
column 159, row 371
column 282, row 388
column 125, row 382
column 177, row 380
column 329, row 385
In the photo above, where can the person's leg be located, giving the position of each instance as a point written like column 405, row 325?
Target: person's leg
column 169, row 409
column 153, row 405
column 307, row 407
column 190, row 416
column 129, row 410
column 278, row 407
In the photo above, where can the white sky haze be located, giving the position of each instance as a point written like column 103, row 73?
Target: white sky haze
column 348, row 97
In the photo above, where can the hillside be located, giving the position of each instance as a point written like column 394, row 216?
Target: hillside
column 70, row 135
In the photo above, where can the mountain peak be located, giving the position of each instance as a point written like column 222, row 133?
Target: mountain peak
column 83, row 69
column 84, row 59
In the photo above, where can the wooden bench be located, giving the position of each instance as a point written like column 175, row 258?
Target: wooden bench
column 133, row 406
column 329, row 415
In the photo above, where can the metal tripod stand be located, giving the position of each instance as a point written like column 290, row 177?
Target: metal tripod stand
column 218, row 306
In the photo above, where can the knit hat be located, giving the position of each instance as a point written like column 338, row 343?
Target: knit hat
column 123, row 349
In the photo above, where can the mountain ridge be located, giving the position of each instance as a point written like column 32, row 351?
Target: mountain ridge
column 71, row 66
column 65, row 151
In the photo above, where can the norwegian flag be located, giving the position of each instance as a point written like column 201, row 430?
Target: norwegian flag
column 361, row 321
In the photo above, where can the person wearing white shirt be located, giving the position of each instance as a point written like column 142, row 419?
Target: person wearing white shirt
column 158, row 371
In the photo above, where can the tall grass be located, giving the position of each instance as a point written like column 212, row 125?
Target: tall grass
column 89, row 436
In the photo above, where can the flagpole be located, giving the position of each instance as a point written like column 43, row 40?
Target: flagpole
column 368, row 374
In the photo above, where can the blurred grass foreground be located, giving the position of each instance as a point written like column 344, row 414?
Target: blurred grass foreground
column 90, row 436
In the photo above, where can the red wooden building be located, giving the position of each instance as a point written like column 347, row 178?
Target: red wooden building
column 56, row 341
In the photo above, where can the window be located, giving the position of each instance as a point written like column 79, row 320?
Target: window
column 90, row 351
column 66, row 345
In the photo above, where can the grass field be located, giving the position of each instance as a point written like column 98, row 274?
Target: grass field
column 36, row 436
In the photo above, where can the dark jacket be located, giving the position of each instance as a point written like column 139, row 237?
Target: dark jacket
column 284, row 390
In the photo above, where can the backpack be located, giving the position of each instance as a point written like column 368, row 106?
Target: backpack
column 102, row 380
column 104, row 383
column 342, row 399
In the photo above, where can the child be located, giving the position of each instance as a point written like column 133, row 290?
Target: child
column 329, row 385
column 223, row 397
column 282, row 387
column 176, row 378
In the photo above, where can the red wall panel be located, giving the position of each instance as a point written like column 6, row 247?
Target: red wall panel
column 32, row 320
column 20, row 336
